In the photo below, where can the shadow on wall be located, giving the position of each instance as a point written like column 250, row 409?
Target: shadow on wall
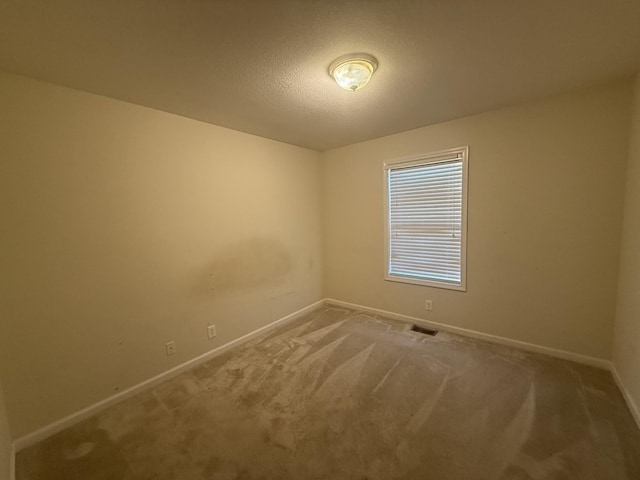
column 247, row 264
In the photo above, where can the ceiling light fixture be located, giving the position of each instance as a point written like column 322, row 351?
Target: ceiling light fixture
column 352, row 72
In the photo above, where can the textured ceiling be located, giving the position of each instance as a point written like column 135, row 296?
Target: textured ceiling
column 260, row 66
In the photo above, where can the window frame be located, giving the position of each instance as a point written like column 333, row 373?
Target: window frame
column 424, row 159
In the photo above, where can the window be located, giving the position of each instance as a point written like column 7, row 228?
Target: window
column 426, row 217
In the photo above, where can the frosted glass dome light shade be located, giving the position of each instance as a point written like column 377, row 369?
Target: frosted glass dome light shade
column 352, row 72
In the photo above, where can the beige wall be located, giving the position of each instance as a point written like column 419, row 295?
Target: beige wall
column 626, row 354
column 124, row 228
column 545, row 208
column 5, row 441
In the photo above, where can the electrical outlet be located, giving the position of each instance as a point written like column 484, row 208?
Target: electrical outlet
column 428, row 305
column 211, row 331
column 170, row 347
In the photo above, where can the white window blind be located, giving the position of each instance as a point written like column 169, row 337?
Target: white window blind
column 426, row 219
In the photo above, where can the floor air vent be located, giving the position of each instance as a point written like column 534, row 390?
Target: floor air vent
column 426, row 331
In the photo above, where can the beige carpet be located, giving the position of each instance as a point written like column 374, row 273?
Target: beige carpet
column 343, row 395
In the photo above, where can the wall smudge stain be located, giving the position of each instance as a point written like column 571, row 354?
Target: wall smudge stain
column 251, row 263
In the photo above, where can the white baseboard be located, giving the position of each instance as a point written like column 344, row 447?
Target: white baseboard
column 55, row 427
column 633, row 406
column 531, row 347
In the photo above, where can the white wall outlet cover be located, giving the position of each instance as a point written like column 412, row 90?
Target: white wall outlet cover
column 428, row 305
column 211, row 331
column 170, row 347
